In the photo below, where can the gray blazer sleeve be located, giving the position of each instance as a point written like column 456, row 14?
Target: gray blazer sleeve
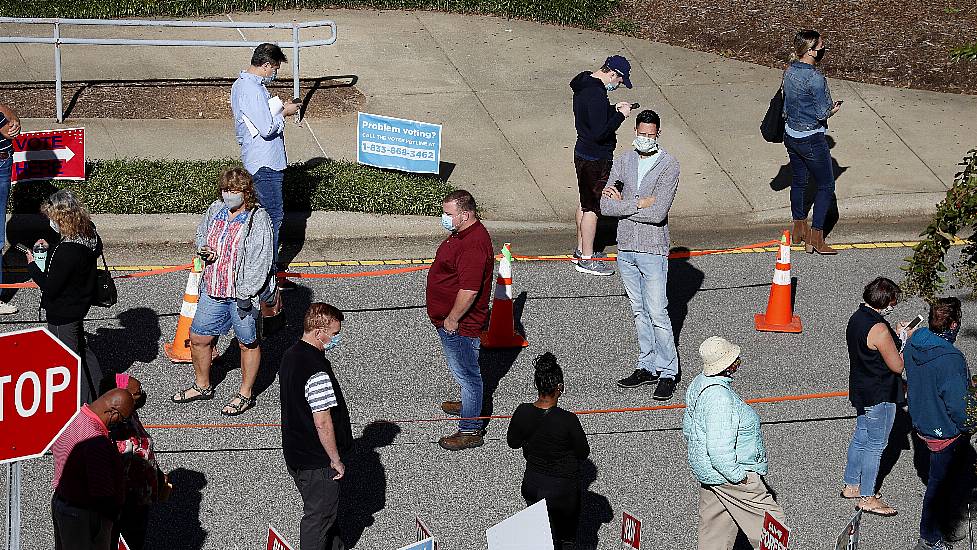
column 629, row 204
column 258, row 255
column 664, row 193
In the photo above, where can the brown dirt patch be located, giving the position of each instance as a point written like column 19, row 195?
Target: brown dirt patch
column 181, row 99
column 901, row 43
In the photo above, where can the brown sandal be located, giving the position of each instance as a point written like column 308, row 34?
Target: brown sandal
column 880, row 509
column 856, row 495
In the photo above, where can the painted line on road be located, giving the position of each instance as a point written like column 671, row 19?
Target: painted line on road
column 774, row 399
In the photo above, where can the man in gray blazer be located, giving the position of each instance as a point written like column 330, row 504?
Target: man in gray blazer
column 639, row 192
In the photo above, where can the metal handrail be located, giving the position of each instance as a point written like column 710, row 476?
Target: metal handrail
column 57, row 40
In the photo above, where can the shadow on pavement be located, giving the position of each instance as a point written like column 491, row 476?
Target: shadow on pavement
column 136, row 341
column 595, row 509
column 364, row 488
column 176, row 522
column 785, row 175
column 684, row 281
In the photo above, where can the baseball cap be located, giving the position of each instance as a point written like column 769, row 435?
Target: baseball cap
column 621, row 66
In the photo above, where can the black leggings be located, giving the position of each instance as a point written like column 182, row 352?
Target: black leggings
column 562, row 497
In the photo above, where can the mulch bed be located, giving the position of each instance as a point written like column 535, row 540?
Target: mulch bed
column 200, row 99
column 901, row 43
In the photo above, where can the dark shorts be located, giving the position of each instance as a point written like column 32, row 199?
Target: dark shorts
column 591, row 179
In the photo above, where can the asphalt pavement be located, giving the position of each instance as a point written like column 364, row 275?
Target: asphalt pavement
column 231, row 481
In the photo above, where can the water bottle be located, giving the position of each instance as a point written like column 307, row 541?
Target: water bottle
column 40, row 255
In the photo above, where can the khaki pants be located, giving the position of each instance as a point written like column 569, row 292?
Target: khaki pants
column 727, row 508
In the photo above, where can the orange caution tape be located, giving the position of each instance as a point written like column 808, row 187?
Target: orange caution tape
column 351, row 275
column 775, row 399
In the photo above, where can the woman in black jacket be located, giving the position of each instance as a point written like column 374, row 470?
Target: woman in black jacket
column 553, row 443
column 69, row 279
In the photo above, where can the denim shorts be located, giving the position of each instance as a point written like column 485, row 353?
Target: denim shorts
column 215, row 316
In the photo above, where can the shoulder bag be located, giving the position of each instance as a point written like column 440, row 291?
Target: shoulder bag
column 772, row 126
column 106, row 294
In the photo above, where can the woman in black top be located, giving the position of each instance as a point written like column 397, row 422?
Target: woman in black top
column 553, row 443
column 874, row 388
column 69, row 279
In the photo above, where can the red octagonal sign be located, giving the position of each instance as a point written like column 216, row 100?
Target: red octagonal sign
column 39, row 392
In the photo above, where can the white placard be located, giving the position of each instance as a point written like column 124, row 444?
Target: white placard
column 526, row 530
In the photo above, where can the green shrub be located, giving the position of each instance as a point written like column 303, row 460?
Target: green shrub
column 569, row 12
column 956, row 214
column 964, row 52
column 142, row 186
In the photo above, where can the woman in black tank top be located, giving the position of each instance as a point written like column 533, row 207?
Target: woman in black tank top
column 874, row 388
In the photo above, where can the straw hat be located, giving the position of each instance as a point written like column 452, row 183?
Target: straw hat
column 717, row 355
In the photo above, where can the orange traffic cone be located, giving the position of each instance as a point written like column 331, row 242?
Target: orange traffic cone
column 779, row 316
column 502, row 324
column 179, row 350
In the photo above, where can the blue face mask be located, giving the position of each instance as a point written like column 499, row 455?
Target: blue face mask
column 331, row 344
column 611, row 86
column 446, row 222
column 949, row 335
column 270, row 79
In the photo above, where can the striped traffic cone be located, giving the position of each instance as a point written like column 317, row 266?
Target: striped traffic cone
column 779, row 316
column 502, row 323
column 179, row 350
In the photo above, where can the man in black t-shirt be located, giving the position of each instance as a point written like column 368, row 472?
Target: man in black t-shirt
column 316, row 428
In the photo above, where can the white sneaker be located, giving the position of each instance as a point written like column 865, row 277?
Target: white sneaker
column 7, row 309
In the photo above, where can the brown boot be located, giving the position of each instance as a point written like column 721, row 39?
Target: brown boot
column 451, row 407
column 815, row 243
column 799, row 234
column 462, row 440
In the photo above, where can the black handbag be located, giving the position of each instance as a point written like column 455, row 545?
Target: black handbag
column 106, row 294
column 772, row 126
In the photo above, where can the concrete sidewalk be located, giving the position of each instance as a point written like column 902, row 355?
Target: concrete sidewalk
column 500, row 88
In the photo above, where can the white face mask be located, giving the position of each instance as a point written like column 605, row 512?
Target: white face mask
column 887, row 310
column 270, row 79
column 645, row 145
column 232, row 200
column 54, row 225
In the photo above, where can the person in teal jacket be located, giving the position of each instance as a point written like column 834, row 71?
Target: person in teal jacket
column 937, row 377
column 726, row 452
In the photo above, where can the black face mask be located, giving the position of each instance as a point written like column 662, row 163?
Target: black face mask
column 819, row 54
column 141, row 400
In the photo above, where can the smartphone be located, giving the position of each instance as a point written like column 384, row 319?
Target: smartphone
column 22, row 248
column 635, row 106
column 914, row 323
column 839, row 102
column 297, row 101
column 619, row 185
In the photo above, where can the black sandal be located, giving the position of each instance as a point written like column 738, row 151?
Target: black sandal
column 244, row 404
column 203, row 394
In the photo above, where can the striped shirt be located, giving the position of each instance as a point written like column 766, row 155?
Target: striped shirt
column 319, row 392
column 225, row 237
column 6, row 146
column 94, row 468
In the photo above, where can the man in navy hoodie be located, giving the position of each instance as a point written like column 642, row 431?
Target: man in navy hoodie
column 937, row 376
column 597, row 122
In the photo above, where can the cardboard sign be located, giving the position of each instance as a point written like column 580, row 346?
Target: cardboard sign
column 526, row 530
column 401, row 144
column 49, row 155
column 774, row 536
column 424, row 532
column 848, row 539
column 426, row 544
column 276, row 541
column 630, row 531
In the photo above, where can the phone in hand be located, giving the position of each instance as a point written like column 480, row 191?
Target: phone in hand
column 839, row 102
column 22, row 248
column 914, row 323
column 635, row 106
column 619, row 185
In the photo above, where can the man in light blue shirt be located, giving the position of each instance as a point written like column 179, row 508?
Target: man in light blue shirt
column 260, row 129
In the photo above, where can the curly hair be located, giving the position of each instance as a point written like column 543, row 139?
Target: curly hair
column 71, row 215
column 549, row 375
column 239, row 180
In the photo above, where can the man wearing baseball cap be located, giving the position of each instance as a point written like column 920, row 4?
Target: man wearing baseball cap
column 596, row 121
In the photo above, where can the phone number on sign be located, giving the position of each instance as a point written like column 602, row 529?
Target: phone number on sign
column 397, row 151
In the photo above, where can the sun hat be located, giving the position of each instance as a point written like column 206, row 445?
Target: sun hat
column 717, row 355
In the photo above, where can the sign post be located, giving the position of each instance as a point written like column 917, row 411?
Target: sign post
column 39, row 395
column 630, row 531
column 49, row 154
column 775, row 536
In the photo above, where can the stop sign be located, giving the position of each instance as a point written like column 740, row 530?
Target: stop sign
column 39, row 392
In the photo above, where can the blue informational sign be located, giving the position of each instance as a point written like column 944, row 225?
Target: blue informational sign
column 388, row 142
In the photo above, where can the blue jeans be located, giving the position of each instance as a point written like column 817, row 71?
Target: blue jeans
column 929, row 527
column 865, row 450
column 644, row 276
column 461, row 352
column 268, row 185
column 5, row 167
column 810, row 156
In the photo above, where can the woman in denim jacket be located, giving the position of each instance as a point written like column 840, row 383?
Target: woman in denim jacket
column 807, row 105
